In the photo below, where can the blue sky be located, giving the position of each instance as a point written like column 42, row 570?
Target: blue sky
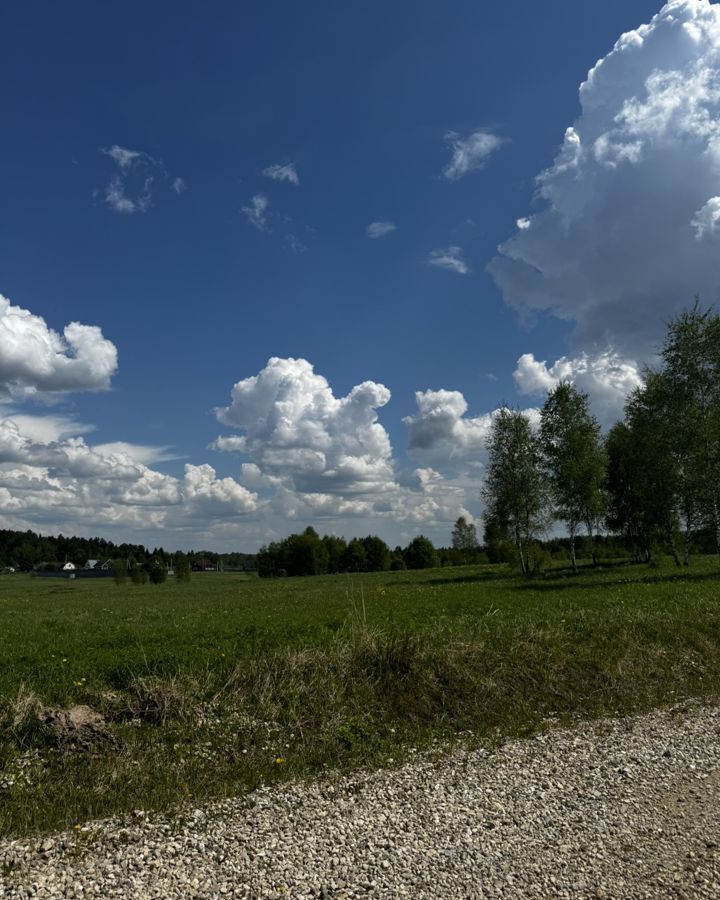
column 198, row 266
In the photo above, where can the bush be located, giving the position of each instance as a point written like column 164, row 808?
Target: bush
column 157, row 572
column 119, row 569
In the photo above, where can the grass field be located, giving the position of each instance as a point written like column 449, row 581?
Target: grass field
column 215, row 686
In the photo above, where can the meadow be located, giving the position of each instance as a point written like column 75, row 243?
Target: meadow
column 212, row 687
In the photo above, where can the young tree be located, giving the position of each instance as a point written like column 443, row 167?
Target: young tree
column 119, row 570
column 182, row 567
column 515, row 491
column 157, row 570
column 574, row 460
column 464, row 538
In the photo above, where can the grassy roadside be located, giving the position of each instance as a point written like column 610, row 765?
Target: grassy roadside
column 211, row 688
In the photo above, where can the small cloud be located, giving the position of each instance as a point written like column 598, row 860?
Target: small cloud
column 125, row 192
column 179, row 185
column 228, row 444
column 139, row 453
column 257, row 212
column 449, row 258
column 294, row 243
column 469, row 153
column 287, row 172
column 491, row 376
column 119, row 201
column 123, row 157
column 380, row 229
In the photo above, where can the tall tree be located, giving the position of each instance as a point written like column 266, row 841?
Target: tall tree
column 515, row 490
column 653, row 487
column 464, row 538
column 575, row 461
column 690, row 404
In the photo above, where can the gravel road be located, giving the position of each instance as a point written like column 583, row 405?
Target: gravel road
column 625, row 808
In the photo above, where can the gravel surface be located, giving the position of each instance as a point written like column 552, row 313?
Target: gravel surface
column 616, row 809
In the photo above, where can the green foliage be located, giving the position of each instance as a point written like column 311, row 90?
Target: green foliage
column 156, row 571
column 464, row 539
column 377, row 554
column 515, row 489
column 354, row 559
column 119, row 569
column 182, row 567
column 308, row 554
column 420, row 554
column 664, row 459
column 574, row 460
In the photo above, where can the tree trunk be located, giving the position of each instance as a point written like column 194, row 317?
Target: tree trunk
column 672, row 547
column 591, row 537
column 686, row 541
column 519, row 545
column 573, row 558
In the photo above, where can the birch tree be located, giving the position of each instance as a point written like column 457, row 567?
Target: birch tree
column 515, row 490
column 574, row 460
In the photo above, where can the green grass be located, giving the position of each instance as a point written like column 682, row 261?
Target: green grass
column 215, row 686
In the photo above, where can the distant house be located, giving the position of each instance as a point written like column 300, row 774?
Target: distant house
column 203, row 565
column 69, row 567
column 91, row 564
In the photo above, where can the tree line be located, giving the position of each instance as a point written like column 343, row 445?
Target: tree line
column 309, row 554
column 654, row 479
column 26, row 550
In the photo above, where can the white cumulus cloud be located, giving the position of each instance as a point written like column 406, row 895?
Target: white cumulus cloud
column 628, row 230
column 36, row 359
column 295, row 427
column 470, row 152
column 606, row 378
column 440, row 431
column 317, row 456
column 449, row 258
column 61, row 483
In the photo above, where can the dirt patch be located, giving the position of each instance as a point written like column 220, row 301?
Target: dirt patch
column 78, row 729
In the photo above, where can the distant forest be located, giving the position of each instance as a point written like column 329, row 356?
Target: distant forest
column 25, row 550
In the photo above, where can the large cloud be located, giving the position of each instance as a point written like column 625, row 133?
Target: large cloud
column 317, row 456
column 36, row 359
column 629, row 232
column 606, row 378
column 295, row 427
